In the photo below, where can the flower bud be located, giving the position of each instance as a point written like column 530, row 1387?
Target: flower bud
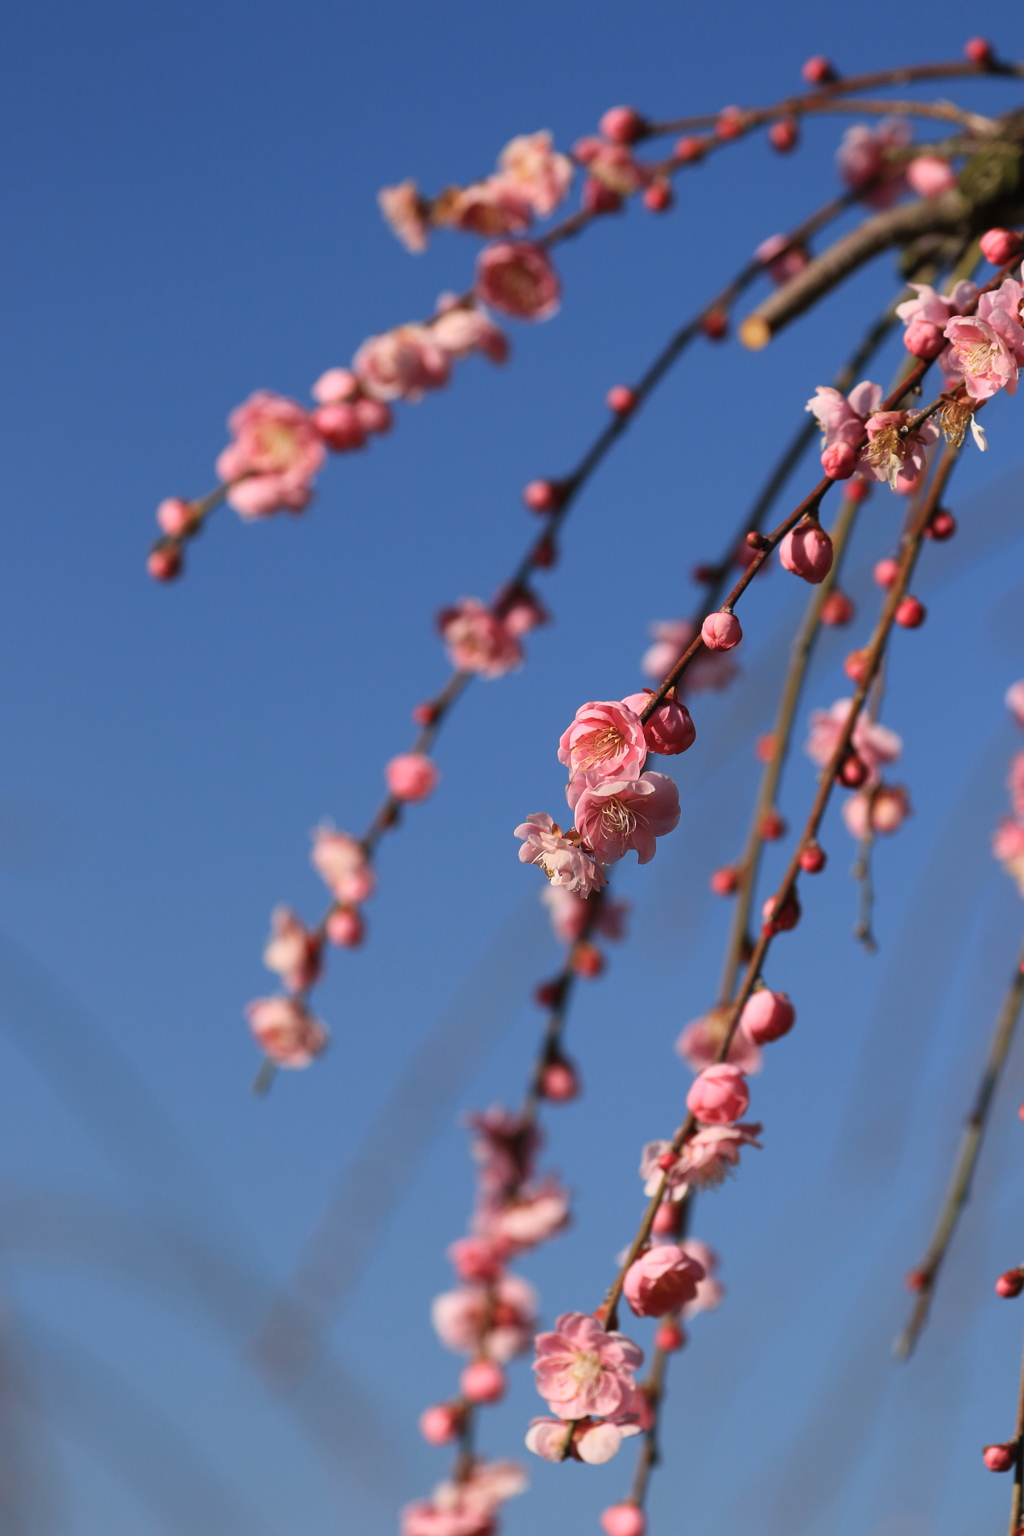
column 812, row 859
column 837, row 610
column 807, row 551
column 773, row 826
column 856, row 665
column 558, row 1082
column 440, row 1424
column 930, row 176
column 886, row 572
column 725, row 881
column 719, row 1095
column 482, row 1381
column 622, row 125
column 549, row 993
column 730, row 124
column 910, row 613
column 784, row 135
column 668, row 1218
column 175, row 517
column 623, row 1520
column 689, row 149
column 424, row 714
column 767, row 1016
column 164, row 562
column 941, row 526
column 787, row 916
column 340, row 427
column 721, row 631
column 978, row 50
column 923, row 339
column 858, row 489
column 621, row 399
column 597, row 198
column 587, row 960
column 658, row 197
column 345, row 927
column 544, row 554
column 915, row 1280
column 373, row 415
column 1000, row 1458
column 1000, row 245
column 715, row 324
column 411, row 776
column 852, row 771
column 818, row 71
column 839, row 461
column 1010, row 1284
column 669, row 1338
column 542, row 496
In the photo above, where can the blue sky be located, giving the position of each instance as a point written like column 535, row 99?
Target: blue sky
column 190, row 200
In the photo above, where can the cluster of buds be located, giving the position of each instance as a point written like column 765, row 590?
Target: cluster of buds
column 873, row 806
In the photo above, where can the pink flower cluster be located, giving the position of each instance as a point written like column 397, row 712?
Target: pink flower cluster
column 617, row 805
column 1008, row 838
column 896, row 447
column 585, row 1373
column 983, row 351
column 874, row 807
column 531, row 180
column 491, row 1315
column 467, row 1507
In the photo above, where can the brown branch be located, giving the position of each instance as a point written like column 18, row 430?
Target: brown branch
column 957, row 1195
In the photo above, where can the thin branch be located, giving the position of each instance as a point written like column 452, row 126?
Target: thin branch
column 965, row 1162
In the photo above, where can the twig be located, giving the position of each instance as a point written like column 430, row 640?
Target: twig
column 959, row 1190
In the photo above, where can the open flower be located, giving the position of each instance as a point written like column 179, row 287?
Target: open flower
column 401, row 364
column 873, row 743
column 713, row 1151
column 292, row 951
column 498, row 1320
column 517, row 278
column 614, row 815
column 583, row 1369
column 460, row 329
column 278, row 451
column 477, row 640
column 559, row 855
column 340, row 861
column 496, row 206
column 285, row 1031
column 986, row 349
column 537, row 170
column 700, row 1042
column 606, row 740
column 405, row 212
column 896, row 447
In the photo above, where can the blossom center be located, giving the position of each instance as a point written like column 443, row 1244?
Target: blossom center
column 617, row 819
column 602, row 745
column 278, row 444
column 585, row 1369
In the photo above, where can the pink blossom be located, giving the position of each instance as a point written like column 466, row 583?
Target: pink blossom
column 583, row 1369
column 401, row 364
column 701, row 1040
column 767, row 1016
column 929, row 176
column 285, row 1031
column 292, row 951
column 521, row 610
column 937, row 308
column 474, row 1258
column 614, row 815
column 670, row 729
column 477, row 640
column 873, row 743
column 781, row 258
column 709, row 670
column 721, row 631
column 1008, row 848
column 719, row 1096
column 406, row 214
column 883, row 809
column 711, row 1153
column 896, row 446
column 842, row 421
column 496, row 206
column 497, row 1320
column 1014, row 701
column 617, row 168
column 541, row 173
column 807, row 551
column 517, row 278
column 661, row 1280
column 862, row 159
column 340, row 861
column 532, row 1217
column 504, row 1147
column 277, row 449
column 411, row 776
column 605, row 740
column 559, row 855
column 459, row 330
column 336, row 386
column 986, row 349
column 710, row 1291
column 570, row 914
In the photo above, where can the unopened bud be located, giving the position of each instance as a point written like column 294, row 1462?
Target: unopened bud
column 910, row 614
column 725, row 881
column 813, row 859
column 1010, row 1284
column 587, row 960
